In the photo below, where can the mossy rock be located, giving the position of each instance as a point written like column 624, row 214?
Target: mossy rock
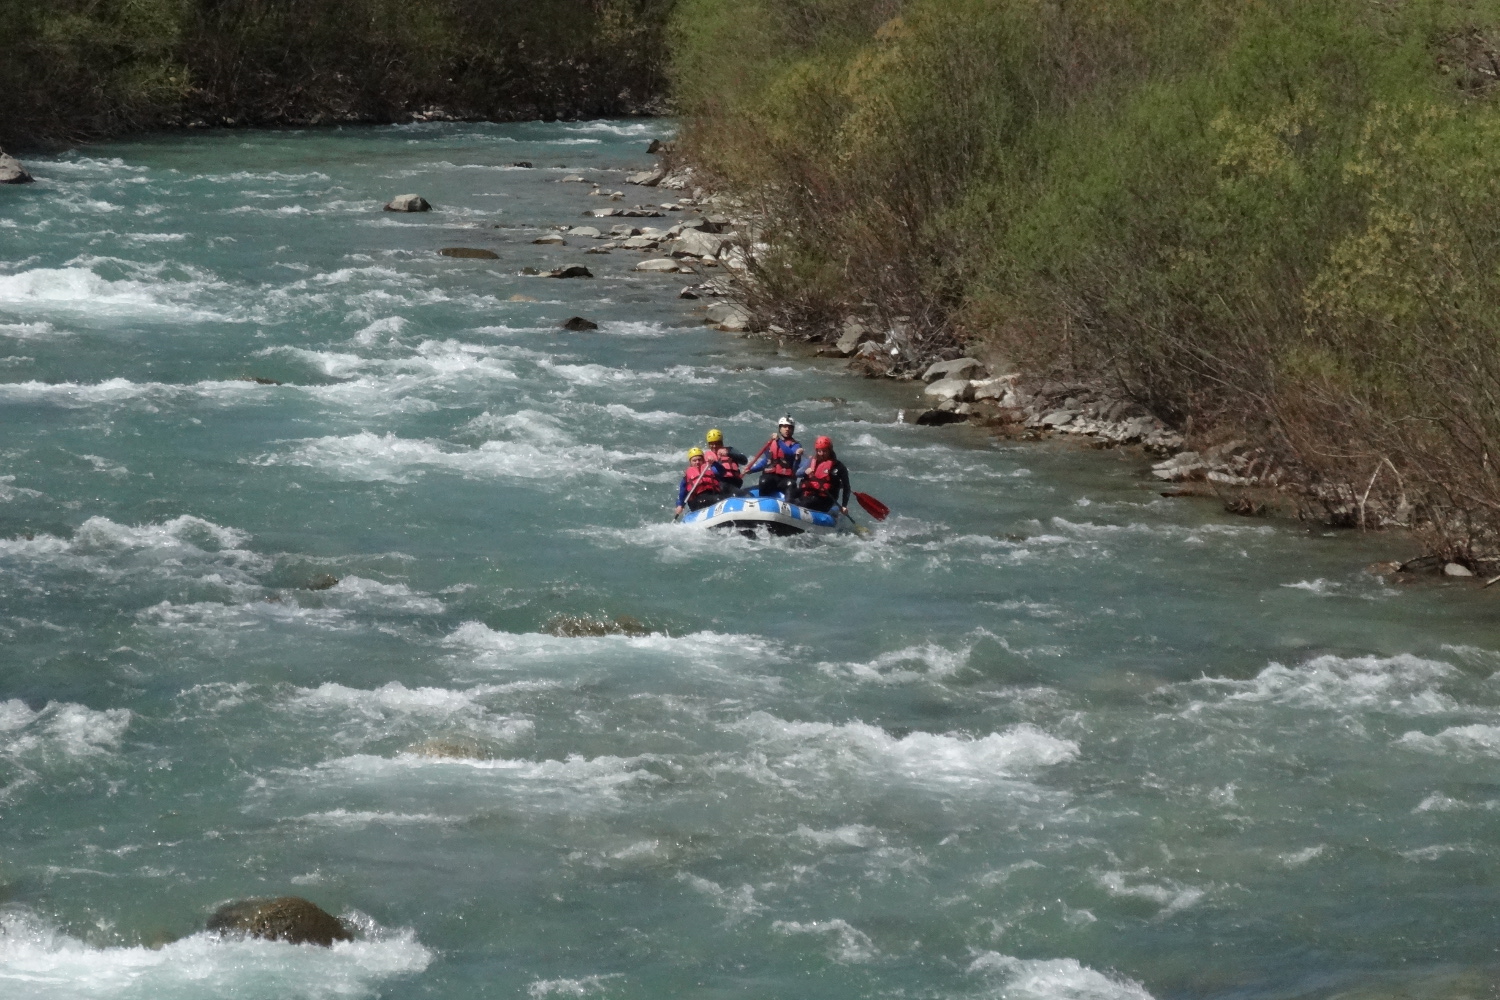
column 288, row 918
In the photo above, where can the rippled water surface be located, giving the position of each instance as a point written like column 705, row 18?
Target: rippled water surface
column 1042, row 735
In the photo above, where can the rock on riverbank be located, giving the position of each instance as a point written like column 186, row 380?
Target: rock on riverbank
column 11, row 171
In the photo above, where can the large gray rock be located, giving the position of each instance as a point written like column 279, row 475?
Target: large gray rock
column 408, row 203
column 11, row 171
column 958, row 368
column 287, row 918
column 729, row 316
column 854, row 334
column 692, row 243
column 585, row 232
column 647, row 178
column 958, row 389
column 995, row 388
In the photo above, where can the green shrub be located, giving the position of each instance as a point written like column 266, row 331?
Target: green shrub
column 1275, row 216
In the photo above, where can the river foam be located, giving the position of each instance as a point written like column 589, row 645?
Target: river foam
column 40, row 962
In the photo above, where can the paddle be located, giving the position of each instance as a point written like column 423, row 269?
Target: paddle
column 873, row 507
column 859, row 529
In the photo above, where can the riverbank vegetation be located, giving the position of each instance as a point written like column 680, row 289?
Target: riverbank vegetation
column 80, row 69
column 1278, row 219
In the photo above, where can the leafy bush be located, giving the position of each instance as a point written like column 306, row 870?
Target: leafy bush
column 1276, row 217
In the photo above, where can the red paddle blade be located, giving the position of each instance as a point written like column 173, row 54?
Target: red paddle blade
column 873, row 507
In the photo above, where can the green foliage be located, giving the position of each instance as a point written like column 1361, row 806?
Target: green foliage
column 80, row 68
column 1277, row 213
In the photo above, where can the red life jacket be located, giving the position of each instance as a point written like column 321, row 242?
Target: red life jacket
column 727, row 463
column 818, row 479
column 780, row 461
column 709, row 475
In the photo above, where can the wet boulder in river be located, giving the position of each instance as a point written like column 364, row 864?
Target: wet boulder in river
column 469, row 253
column 11, row 171
column 578, row 324
column 408, row 203
column 288, row 918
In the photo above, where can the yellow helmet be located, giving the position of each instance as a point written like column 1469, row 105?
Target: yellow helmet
column 715, row 436
column 694, row 453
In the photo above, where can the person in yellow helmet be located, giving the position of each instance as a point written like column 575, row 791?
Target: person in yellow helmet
column 702, row 484
column 730, row 460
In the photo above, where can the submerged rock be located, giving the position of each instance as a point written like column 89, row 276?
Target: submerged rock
column 288, row 918
column 580, row 626
column 458, row 746
column 408, row 203
column 556, row 241
column 469, row 253
column 572, row 271
column 323, row 581
column 578, row 324
column 258, row 380
column 11, row 171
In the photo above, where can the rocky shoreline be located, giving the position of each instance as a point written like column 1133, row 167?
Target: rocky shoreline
column 1247, row 478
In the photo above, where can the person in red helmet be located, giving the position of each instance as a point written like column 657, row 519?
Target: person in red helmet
column 823, row 482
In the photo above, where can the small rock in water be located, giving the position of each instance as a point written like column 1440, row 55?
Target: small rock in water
column 258, row 380
column 579, row 626
column 656, row 146
column 687, row 293
column 574, row 179
column 578, row 324
column 11, row 171
column 556, row 241
column 288, row 918
column 1245, row 507
column 584, row 232
column 456, row 747
column 323, row 581
column 937, row 418
column 572, row 271
column 523, row 164
column 1457, row 569
column 408, row 203
column 469, row 253
column 521, row 298
column 660, row 265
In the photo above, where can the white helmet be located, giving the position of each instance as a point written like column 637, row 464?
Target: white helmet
column 787, row 421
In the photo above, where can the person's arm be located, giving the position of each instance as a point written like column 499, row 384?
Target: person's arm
column 841, row 484
column 737, row 455
column 682, row 490
column 760, row 463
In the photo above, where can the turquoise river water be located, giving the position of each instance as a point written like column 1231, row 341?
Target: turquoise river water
column 1041, row 735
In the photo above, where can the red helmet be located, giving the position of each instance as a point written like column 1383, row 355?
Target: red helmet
column 823, row 442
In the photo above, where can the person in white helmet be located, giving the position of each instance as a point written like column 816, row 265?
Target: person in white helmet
column 777, row 462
